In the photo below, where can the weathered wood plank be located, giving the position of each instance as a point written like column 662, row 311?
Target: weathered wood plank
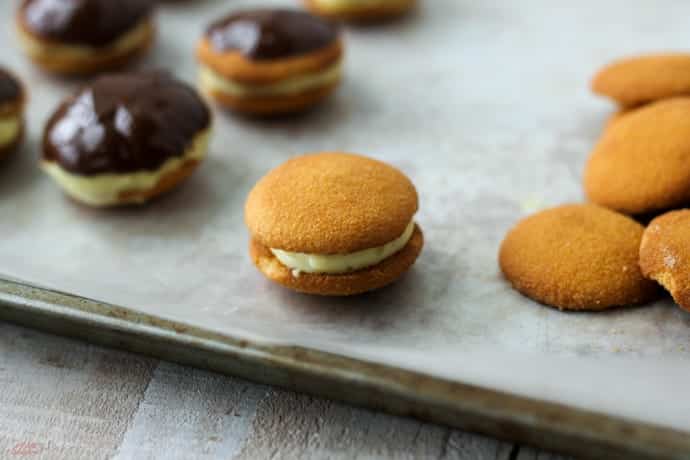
column 188, row 413
column 64, row 399
column 289, row 425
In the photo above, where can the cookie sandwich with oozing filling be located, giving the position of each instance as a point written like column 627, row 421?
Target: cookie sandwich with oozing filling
column 333, row 224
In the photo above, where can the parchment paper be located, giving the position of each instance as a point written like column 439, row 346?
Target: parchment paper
column 485, row 105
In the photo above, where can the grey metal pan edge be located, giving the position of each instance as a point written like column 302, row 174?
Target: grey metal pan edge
column 552, row 426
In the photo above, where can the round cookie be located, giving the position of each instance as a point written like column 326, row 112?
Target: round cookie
column 333, row 224
column 665, row 254
column 126, row 138
column 360, row 10
column 270, row 61
column 12, row 100
column 641, row 164
column 84, row 36
column 576, row 257
column 641, row 79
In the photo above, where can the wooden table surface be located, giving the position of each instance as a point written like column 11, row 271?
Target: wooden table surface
column 64, row 399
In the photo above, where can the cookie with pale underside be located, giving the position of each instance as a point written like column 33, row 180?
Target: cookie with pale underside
column 333, row 224
column 641, row 164
column 576, row 257
column 641, row 79
column 665, row 254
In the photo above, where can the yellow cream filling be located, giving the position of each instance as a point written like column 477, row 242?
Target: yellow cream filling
column 9, row 129
column 213, row 81
column 342, row 263
column 105, row 189
column 123, row 45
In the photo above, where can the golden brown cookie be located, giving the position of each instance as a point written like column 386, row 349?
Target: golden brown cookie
column 576, row 257
column 642, row 79
column 641, row 164
column 333, row 224
column 84, row 36
column 360, row 10
column 272, row 105
column 151, row 132
column 291, row 62
column 665, row 254
column 12, row 101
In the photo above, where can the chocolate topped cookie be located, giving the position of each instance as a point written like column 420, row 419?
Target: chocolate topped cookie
column 146, row 125
column 271, row 34
column 267, row 62
column 84, row 36
column 124, row 123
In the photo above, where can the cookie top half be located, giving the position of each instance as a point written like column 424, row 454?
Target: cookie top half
column 330, row 203
column 641, row 164
column 124, row 123
column 83, row 22
column 266, row 34
column 579, row 257
column 641, row 79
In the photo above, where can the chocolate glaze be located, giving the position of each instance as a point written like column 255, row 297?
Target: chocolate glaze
column 83, row 22
column 125, row 123
column 271, row 33
column 10, row 89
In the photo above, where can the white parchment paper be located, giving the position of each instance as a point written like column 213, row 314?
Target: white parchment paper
column 485, row 105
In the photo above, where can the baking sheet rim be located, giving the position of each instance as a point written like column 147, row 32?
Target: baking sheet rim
column 402, row 392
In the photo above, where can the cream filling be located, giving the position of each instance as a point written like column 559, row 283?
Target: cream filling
column 105, row 189
column 346, row 5
column 211, row 80
column 122, row 45
column 342, row 263
column 9, row 129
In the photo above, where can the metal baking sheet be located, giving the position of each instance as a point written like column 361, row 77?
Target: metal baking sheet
column 485, row 106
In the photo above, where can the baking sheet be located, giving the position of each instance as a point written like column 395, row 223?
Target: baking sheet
column 484, row 105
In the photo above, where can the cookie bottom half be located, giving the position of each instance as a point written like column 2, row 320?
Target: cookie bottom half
column 346, row 284
column 293, row 95
column 106, row 190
